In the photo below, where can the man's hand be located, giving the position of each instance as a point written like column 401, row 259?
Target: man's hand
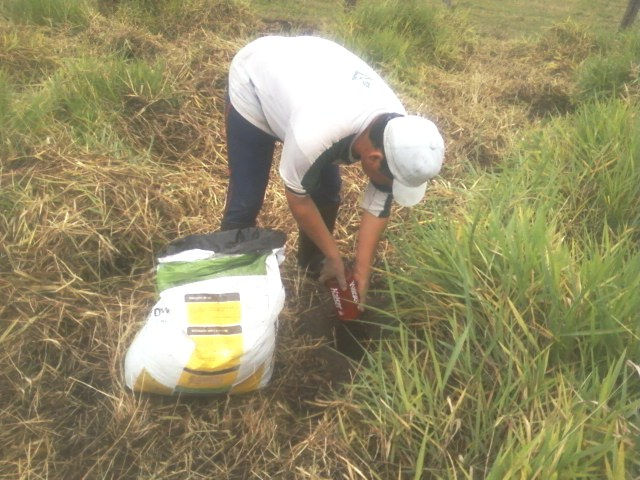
column 362, row 279
column 310, row 221
column 333, row 268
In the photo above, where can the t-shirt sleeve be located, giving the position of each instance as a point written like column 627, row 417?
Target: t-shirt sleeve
column 294, row 164
column 376, row 202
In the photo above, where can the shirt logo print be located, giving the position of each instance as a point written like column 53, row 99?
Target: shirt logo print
column 362, row 77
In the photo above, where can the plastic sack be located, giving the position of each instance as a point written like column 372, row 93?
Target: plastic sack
column 213, row 329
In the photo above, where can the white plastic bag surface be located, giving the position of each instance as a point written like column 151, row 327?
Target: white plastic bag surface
column 213, row 329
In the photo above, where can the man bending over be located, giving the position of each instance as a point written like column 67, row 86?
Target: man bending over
column 328, row 108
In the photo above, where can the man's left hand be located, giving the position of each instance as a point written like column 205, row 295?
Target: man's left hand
column 362, row 279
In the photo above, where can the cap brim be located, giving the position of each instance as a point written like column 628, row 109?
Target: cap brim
column 408, row 196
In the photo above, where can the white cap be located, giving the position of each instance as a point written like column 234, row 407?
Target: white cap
column 414, row 150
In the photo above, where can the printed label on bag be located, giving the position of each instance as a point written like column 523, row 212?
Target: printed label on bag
column 215, row 327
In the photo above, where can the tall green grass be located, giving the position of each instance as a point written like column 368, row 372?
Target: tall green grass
column 586, row 167
column 403, row 34
column 86, row 99
column 515, row 19
column 518, row 338
column 516, row 350
column 75, row 13
column 615, row 70
column 173, row 17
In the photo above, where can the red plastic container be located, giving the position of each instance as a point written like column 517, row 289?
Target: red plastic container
column 345, row 301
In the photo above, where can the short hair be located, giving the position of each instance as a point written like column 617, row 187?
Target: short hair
column 376, row 132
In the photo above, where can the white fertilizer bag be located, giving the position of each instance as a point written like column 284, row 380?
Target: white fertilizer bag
column 213, row 330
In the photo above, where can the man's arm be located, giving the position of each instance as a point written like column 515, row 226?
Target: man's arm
column 306, row 214
column 371, row 228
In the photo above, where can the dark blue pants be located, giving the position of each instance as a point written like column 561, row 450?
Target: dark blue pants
column 250, row 155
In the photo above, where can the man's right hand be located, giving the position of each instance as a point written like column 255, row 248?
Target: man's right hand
column 310, row 221
column 333, row 268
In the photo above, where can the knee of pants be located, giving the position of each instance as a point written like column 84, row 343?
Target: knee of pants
column 242, row 212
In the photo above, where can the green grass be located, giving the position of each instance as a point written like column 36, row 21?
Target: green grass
column 615, row 70
column 174, row 17
column 586, row 167
column 75, row 13
column 403, row 34
column 518, row 18
column 500, row 18
column 308, row 12
column 518, row 335
column 85, row 99
column 27, row 56
column 517, row 343
column 516, row 347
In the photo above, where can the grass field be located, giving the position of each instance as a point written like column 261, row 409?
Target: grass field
column 507, row 301
column 522, row 18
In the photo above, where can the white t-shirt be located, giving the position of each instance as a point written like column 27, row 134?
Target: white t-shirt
column 316, row 97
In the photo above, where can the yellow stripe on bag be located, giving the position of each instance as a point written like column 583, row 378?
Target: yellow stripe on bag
column 146, row 383
column 214, row 326
column 251, row 383
column 208, row 381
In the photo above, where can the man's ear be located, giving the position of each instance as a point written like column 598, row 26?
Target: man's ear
column 374, row 157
